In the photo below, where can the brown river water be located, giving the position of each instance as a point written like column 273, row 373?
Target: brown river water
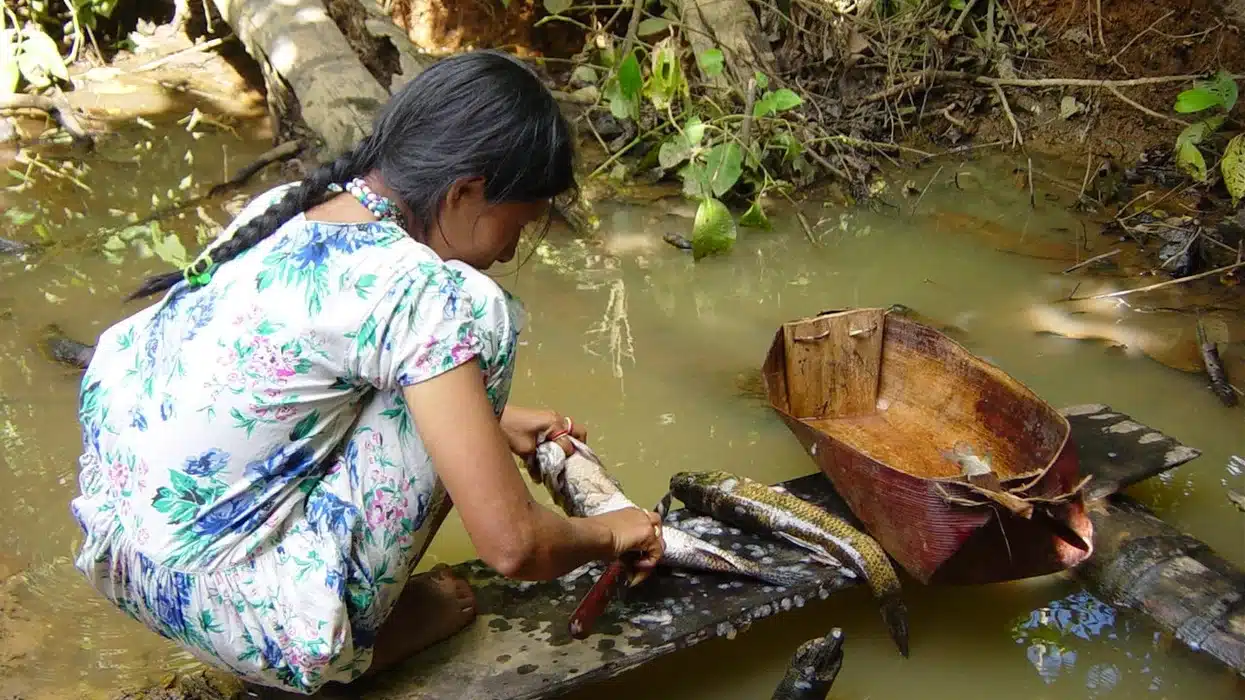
column 629, row 336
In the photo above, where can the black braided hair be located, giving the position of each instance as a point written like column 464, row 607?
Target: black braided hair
column 299, row 198
column 477, row 114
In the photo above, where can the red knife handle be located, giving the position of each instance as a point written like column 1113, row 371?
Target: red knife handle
column 594, row 601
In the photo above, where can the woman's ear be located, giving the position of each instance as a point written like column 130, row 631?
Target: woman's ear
column 465, row 191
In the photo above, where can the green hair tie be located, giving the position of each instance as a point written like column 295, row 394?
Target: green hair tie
column 199, row 279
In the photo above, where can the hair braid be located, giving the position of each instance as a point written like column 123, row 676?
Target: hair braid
column 309, row 192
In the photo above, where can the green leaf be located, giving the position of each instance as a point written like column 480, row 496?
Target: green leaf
column 762, row 80
column 666, row 78
column 956, row 4
column 630, row 80
column 304, row 426
column 755, row 217
column 18, row 216
column 724, row 163
column 1190, row 159
column 651, row 26
column 1233, row 168
column 673, row 151
column 9, row 73
column 694, row 181
column 711, row 62
column 785, row 99
column 1197, row 99
column 713, row 230
column 694, row 130
column 1197, row 132
column 764, row 106
column 557, row 7
column 621, row 106
column 38, row 59
column 1225, row 87
column 584, row 74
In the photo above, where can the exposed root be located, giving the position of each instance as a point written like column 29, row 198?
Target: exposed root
column 56, row 107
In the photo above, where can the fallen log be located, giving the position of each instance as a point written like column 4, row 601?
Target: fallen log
column 56, row 107
column 813, row 669
column 305, row 56
column 1143, row 564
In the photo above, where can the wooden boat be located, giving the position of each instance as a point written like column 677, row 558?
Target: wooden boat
column 882, row 403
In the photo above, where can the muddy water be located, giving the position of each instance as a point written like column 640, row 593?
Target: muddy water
column 627, row 335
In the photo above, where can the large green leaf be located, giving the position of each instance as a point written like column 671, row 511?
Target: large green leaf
column 652, row 25
column 755, row 217
column 712, row 62
column 1233, row 168
column 694, row 181
column 1197, row 99
column 38, row 59
column 673, row 151
column 630, row 80
column 1190, row 159
column 785, row 99
column 724, row 163
column 557, row 7
column 695, row 130
column 713, row 230
column 666, row 82
column 1224, row 86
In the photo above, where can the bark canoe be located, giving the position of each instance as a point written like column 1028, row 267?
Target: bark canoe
column 882, row 403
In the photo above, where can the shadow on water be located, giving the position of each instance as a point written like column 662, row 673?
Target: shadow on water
column 652, row 352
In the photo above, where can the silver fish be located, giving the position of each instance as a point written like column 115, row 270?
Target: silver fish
column 581, row 487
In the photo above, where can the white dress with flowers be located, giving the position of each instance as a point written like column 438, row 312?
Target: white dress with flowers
column 252, row 485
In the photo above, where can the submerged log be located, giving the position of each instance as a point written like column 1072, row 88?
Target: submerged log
column 1180, row 583
column 1214, row 368
column 813, row 669
column 8, row 247
column 61, row 348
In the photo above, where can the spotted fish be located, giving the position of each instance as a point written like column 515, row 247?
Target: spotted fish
column 754, row 506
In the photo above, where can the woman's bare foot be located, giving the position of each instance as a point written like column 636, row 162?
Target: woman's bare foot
column 434, row 605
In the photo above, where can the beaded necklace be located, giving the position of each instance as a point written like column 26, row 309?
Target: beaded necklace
column 382, row 208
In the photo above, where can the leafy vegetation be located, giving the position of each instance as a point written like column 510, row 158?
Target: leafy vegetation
column 29, row 55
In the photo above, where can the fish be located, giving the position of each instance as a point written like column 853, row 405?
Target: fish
column 581, row 487
column 754, row 506
column 813, row 668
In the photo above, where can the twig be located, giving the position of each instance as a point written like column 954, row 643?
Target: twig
column 1089, row 159
column 56, row 106
column 289, row 149
column 955, row 28
column 1142, row 108
column 917, row 203
column 156, row 63
column 633, row 25
column 1101, row 40
column 1116, row 58
column 1168, row 283
column 1092, row 260
column 1011, row 118
column 745, row 130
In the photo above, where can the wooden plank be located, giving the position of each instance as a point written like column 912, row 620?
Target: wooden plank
column 834, row 363
column 519, row 646
column 1118, row 451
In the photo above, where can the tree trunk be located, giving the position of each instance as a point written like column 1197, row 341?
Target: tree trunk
column 307, row 61
column 731, row 26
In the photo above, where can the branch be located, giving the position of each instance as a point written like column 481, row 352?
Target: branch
column 1168, row 283
column 57, row 106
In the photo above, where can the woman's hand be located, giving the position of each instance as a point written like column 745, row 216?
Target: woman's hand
column 635, row 530
column 524, row 427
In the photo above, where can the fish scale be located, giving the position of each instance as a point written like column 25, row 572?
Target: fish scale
column 754, row 506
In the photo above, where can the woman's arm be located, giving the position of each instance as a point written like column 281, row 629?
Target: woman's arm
column 513, row 533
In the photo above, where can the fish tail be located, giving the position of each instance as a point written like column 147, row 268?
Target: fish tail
column 895, row 615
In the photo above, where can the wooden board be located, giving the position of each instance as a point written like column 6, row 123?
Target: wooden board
column 519, row 647
column 834, row 363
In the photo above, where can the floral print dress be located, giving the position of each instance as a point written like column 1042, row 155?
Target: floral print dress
column 252, row 485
